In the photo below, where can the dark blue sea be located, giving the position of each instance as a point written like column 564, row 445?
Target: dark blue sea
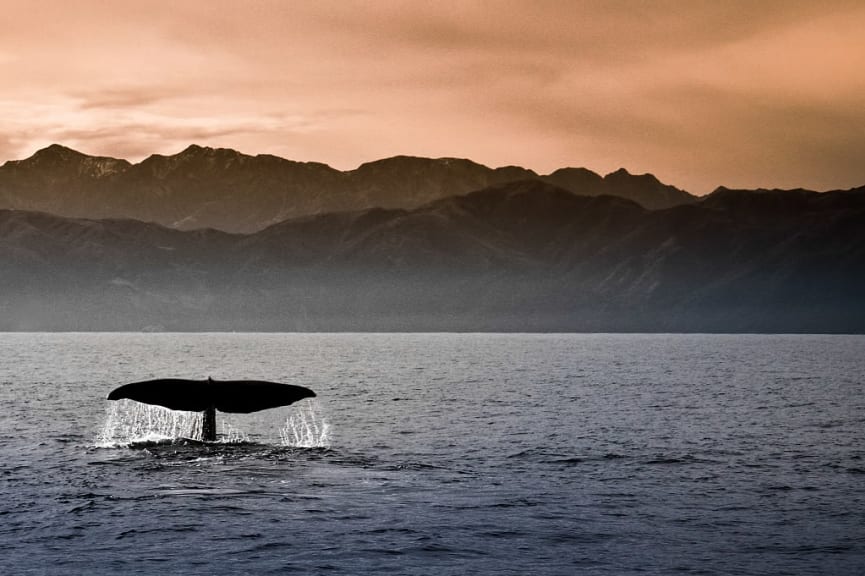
column 439, row 454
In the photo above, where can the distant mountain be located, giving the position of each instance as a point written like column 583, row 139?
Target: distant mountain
column 224, row 189
column 519, row 256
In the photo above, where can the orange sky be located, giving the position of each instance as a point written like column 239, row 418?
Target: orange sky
column 701, row 93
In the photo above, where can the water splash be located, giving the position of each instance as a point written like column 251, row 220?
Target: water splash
column 232, row 435
column 305, row 428
column 128, row 422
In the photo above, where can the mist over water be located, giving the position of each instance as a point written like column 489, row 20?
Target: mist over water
column 439, row 454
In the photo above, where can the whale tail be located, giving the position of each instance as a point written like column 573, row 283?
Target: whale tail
column 208, row 396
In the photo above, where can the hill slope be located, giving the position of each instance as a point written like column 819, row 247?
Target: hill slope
column 520, row 256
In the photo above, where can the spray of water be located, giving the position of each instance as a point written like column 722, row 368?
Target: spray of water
column 305, row 428
column 128, row 422
column 232, row 435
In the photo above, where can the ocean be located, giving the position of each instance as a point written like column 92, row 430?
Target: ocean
column 439, row 454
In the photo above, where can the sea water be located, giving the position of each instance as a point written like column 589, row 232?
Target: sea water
column 439, row 454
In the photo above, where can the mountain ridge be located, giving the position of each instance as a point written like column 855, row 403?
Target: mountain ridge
column 519, row 256
column 221, row 188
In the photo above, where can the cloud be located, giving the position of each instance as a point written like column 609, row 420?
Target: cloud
column 132, row 132
column 700, row 93
column 134, row 97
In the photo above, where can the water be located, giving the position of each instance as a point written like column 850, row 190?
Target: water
column 448, row 454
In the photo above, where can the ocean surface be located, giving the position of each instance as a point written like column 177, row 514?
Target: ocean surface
column 439, row 454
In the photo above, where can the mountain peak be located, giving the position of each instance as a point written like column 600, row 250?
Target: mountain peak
column 622, row 174
column 195, row 150
column 57, row 149
column 55, row 153
column 192, row 158
column 578, row 180
column 57, row 157
column 574, row 170
column 416, row 163
column 645, row 189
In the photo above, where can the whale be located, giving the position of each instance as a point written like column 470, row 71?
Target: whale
column 208, row 396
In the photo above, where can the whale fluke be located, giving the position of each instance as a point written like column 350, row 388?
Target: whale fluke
column 233, row 396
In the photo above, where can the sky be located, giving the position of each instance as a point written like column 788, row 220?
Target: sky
column 699, row 93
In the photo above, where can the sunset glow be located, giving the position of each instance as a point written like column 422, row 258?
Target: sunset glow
column 701, row 94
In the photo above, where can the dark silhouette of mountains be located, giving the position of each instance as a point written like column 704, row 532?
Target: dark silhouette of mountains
column 522, row 255
column 224, row 189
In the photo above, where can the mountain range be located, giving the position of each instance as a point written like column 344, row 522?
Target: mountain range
column 223, row 189
column 521, row 255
